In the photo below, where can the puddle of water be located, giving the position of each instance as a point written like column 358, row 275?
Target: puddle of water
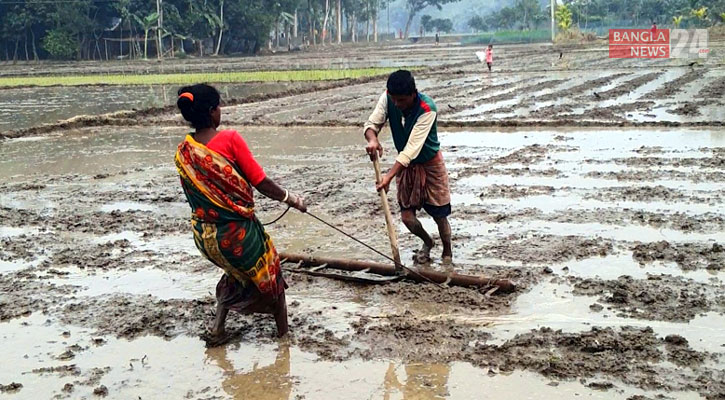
column 488, row 105
column 579, row 182
column 147, row 281
column 17, row 265
column 166, row 244
column 9, row 231
column 605, row 231
column 12, row 266
column 560, row 202
column 571, row 313
column 591, row 143
column 182, row 368
column 613, row 266
column 127, row 206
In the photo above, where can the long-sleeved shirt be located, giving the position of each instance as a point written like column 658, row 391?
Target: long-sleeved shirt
column 418, row 134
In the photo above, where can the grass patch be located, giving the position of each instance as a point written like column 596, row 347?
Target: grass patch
column 502, row 37
column 191, row 78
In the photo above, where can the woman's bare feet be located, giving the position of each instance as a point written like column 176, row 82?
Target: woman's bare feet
column 216, row 338
column 217, row 335
column 280, row 316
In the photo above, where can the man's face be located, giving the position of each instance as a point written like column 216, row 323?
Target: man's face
column 403, row 102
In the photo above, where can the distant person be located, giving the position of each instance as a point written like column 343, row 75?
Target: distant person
column 489, row 57
column 218, row 175
column 419, row 170
column 437, row 39
column 653, row 30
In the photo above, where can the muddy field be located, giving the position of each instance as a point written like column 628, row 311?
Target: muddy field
column 614, row 235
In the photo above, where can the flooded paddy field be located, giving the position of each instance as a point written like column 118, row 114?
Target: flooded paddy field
column 530, row 86
column 621, row 285
column 614, row 235
column 27, row 107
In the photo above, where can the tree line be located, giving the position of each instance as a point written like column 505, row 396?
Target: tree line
column 591, row 14
column 111, row 29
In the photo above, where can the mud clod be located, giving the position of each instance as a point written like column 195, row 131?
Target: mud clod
column 13, row 387
column 101, row 391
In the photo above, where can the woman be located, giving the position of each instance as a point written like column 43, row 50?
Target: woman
column 218, row 173
column 489, row 56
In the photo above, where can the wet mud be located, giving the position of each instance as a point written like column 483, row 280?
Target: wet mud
column 662, row 297
column 610, row 234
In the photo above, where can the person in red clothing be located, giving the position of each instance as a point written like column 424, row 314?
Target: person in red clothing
column 218, row 175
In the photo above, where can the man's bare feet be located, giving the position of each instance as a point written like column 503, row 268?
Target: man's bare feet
column 447, row 259
column 422, row 256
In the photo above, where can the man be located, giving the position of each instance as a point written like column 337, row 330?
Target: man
column 419, row 169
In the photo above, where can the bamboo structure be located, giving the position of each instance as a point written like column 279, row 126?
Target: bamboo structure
column 452, row 279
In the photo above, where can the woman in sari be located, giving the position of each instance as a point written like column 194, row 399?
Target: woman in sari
column 218, row 175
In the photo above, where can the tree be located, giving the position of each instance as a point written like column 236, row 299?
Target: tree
column 563, row 17
column 425, row 22
column 146, row 23
column 60, row 44
column 220, row 22
column 477, row 23
column 443, row 25
column 415, row 6
column 528, row 11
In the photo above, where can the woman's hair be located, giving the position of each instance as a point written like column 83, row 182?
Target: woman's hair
column 196, row 104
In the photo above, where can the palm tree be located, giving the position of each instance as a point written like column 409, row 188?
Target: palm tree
column 700, row 14
column 215, row 22
column 563, row 16
column 147, row 23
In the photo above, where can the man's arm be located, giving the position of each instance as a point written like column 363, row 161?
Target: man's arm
column 373, row 125
column 412, row 149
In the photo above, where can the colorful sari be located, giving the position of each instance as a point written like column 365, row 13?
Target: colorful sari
column 226, row 231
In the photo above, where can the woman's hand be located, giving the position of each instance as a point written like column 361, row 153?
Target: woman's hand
column 297, row 202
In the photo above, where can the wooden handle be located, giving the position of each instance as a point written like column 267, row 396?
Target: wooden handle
column 388, row 217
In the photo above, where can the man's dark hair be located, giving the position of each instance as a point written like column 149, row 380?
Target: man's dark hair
column 196, row 103
column 401, row 82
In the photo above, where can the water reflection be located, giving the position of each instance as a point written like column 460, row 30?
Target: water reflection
column 271, row 382
column 421, row 381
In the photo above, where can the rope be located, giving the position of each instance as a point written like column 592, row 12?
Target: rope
column 278, row 218
column 358, row 241
column 370, row 247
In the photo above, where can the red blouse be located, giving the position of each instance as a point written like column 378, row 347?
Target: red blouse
column 231, row 145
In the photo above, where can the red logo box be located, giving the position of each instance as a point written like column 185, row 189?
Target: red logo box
column 639, row 43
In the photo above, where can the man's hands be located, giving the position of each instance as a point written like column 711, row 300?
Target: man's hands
column 374, row 149
column 385, row 183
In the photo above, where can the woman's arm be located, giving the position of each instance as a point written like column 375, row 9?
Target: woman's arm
column 256, row 176
column 272, row 190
